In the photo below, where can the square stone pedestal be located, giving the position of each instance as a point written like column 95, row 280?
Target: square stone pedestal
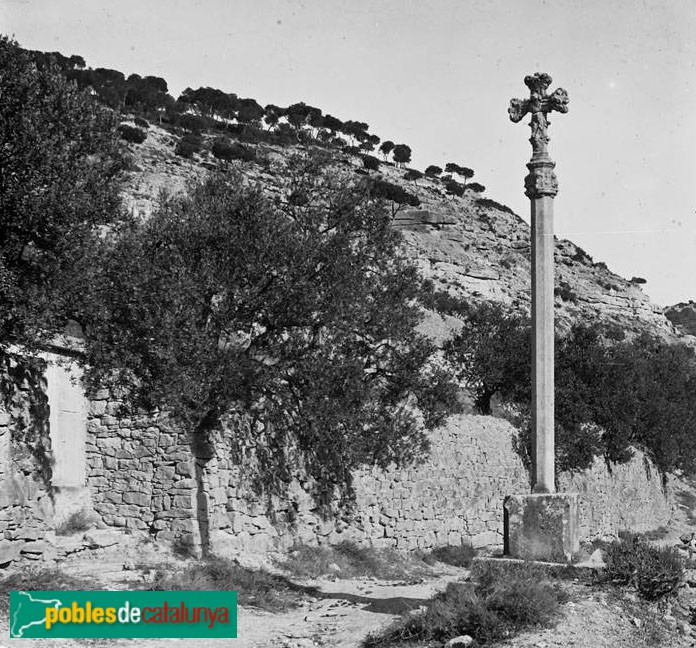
column 542, row 526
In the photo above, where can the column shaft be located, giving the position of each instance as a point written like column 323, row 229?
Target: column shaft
column 542, row 344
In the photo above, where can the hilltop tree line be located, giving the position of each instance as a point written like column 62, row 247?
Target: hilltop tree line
column 206, row 108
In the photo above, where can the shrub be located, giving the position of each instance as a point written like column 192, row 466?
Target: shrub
column 508, row 261
column 565, row 292
column 131, row 134
column 638, row 280
column 444, row 302
column 188, row 145
column 655, row 572
column 370, row 162
column 141, row 123
column 496, row 607
column 222, row 149
column 458, row 556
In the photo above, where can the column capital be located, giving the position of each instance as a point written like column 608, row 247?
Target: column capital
column 541, row 180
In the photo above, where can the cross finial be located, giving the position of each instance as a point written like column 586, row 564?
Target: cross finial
column 539, row 105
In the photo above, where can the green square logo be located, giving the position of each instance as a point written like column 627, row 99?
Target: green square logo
column 137, row 615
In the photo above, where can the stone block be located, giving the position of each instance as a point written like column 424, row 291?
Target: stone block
column 139, row 499
column 10, row 550
column 541, row 526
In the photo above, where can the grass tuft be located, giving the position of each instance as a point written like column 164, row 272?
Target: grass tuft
column 39, row 579
column 347, row 560
column 257, row 588
column 78, row 522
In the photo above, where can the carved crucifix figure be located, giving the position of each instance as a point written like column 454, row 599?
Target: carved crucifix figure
column 541, row 187
column 538, row 106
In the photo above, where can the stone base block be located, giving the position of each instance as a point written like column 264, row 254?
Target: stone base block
column 542, row 526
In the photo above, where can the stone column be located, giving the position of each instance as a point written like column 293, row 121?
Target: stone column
column 543, row 338
column 542, row 526
column 541, row 187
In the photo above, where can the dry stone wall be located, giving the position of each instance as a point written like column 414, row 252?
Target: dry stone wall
column 140, row 471
column 26, row 507
column 143, row 475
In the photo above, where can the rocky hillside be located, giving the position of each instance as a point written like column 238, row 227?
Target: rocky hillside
column 469, row 245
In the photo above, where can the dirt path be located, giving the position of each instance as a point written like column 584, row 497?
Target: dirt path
column 343, row 612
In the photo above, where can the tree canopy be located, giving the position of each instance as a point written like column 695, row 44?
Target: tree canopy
column 298, row 311
column 610, row 395
column 59, row 170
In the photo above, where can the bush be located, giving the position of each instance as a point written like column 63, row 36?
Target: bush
column 141, row 123
column 131, row 134
column 458, row 556
column 444, row 302
column 188, row 145
column 496, row 607
column 370, row 162
column 565, row 292
column 223, row 149
column 655, row 572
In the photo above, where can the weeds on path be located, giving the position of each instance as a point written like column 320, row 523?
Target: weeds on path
column 256, row 588
column 347, row 560
column 40, row 579
column 496, row 606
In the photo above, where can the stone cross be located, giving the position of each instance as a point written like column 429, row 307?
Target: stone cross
column 541, row 186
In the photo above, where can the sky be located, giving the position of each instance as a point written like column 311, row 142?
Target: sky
column 438, row 75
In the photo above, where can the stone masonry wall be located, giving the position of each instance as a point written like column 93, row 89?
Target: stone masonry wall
column 26, row 508
column 140, row 472
column 142, row 475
